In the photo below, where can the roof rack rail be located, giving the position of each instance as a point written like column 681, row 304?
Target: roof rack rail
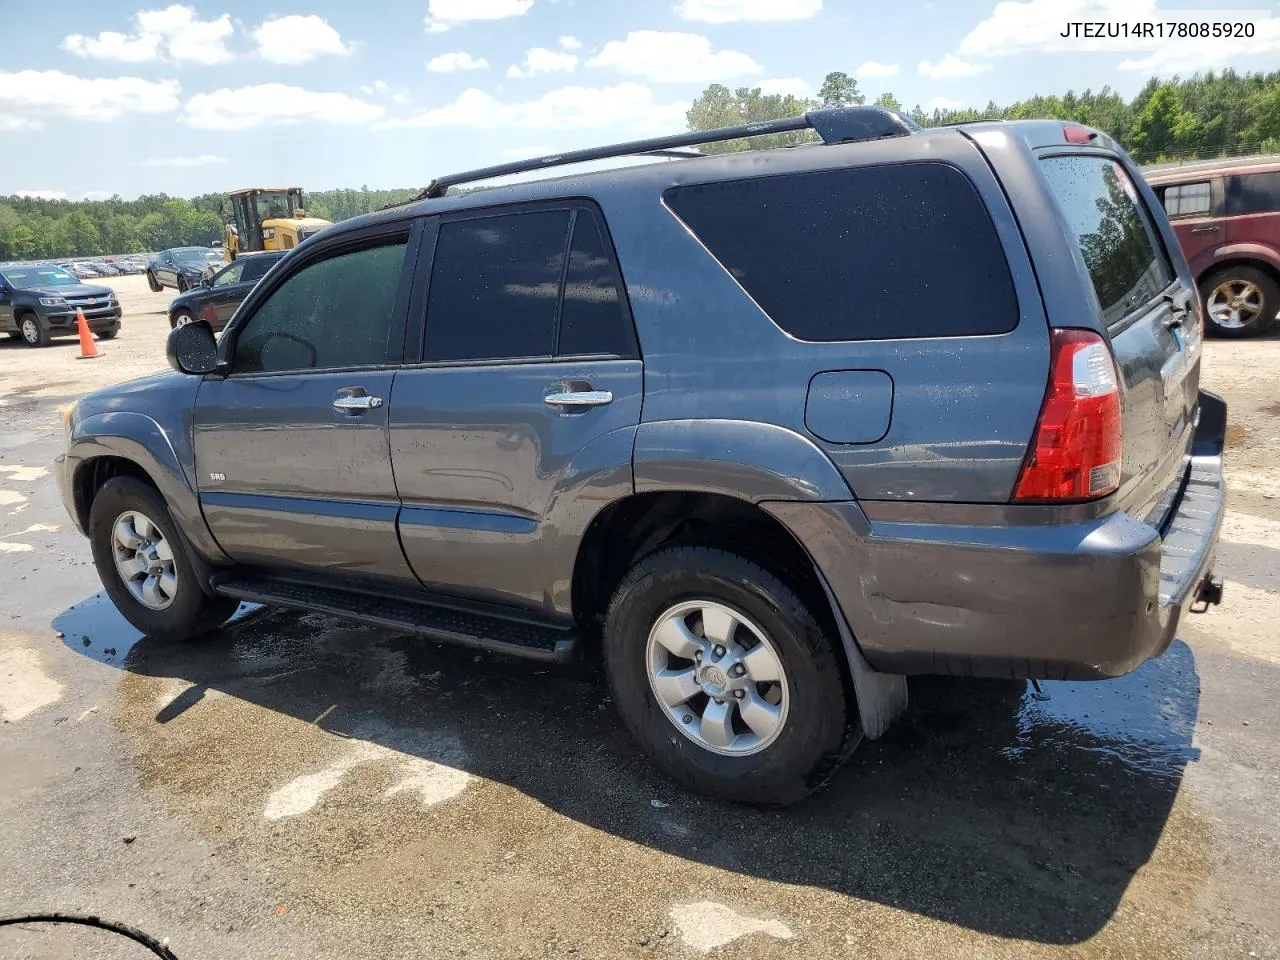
column 832, row 124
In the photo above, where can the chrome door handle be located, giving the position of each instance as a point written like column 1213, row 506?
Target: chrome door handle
column 356, row 404
column 579, row 398
column 1204, row 229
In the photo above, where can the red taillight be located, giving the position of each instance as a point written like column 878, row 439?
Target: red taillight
column 1077, row 134
column 1075, row 453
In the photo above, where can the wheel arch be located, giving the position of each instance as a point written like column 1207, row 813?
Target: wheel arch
column 636, row 526
column 1239, row 257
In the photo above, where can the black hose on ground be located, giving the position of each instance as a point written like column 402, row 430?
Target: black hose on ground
column 85, row 920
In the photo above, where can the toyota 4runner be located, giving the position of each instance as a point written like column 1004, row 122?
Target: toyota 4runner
column 766, row 431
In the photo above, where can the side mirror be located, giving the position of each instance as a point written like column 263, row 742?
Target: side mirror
column 192, row 348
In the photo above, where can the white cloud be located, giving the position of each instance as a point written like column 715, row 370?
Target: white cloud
column 96, row 195
column 1035, row 26
column 731, row 11
column 453, row 62
column 41, row 194
column 110, row 45
column 398, row 95
column 793, row 86
column 274, row 103
column 571, row 43
column 627, row 105
column 444, row 14
column 102, row 98
column 11, row 124
column 541, row 60
column 202, row 160
column 951, row 67
column 942, row 103
column 873, row 69
column 296, row 39
column 175, row 32
column 673, row 57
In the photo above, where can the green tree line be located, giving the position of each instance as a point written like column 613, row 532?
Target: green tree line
column 36, row 229
column 1206, row 115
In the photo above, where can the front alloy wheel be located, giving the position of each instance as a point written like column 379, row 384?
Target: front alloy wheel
column 144, row 560
column 718, row 677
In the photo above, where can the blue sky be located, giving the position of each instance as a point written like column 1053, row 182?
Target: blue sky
column 106, row 98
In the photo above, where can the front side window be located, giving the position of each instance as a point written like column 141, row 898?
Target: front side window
column 230, row 275
column 255, row 268
column 338, row 312
column 1188, row 199
column 1112, row 231
column 494, row 288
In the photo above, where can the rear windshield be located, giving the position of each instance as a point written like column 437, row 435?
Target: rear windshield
column 860, row 253
column 1113, row 231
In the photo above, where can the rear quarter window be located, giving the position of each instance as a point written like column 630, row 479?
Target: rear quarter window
column 1253, row 193
column 1112, row 230
column 862, row 253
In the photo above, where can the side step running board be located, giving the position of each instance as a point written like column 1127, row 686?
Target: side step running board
column 512, row 637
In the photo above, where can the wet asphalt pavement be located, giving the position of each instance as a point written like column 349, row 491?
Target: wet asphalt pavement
column 296, row 786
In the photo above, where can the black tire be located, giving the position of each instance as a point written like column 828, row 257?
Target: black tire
column 38, row 334
column 191, row 612
column 1242, row 274
column 817, row 733
column 155, row 285
column 182, row 284
column 109, row 333
column 177, row 320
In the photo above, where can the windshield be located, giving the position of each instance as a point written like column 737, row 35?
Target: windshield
column 275, row 204
column 196, row 255
column 41, row 275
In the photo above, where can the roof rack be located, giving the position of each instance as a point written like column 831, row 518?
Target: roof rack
column 832, row 124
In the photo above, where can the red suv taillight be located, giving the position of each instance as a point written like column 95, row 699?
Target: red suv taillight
column 1075, row 452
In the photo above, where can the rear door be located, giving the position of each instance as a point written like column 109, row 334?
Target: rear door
column 291, row 446
column 1148, row 312
column 528, row 360
column 1195, row 209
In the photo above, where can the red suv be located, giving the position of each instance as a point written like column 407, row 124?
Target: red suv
column 1227, row 217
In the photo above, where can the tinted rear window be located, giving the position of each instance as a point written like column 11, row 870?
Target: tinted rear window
column 863, row 253
column 1253, row 193
column 1113, row 231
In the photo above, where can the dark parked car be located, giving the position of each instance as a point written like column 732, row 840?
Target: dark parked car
column 182, row 267
column 765, row 431
column 1227, row 218
column 38, row 301
column 217, row 297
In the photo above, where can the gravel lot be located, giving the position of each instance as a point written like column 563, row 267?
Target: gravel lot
column 299, row 787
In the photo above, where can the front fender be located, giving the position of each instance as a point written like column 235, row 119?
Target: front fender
column 744, row 459
column 139, row 439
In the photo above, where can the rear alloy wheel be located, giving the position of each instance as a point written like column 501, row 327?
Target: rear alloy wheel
column 1240, row 301
column 34, row 330
column 726, row 678
column 182, row 319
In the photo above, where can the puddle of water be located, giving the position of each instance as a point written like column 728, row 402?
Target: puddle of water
column 1145, row 720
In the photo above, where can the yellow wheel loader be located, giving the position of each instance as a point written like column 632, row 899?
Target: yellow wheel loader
column 268, row 218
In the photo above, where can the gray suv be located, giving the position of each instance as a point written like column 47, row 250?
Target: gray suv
column 767, row 432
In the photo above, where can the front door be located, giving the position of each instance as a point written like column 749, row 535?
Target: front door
column 291, row 446
column 520, row 419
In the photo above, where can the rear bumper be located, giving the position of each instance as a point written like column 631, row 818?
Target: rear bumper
column 1068, row 601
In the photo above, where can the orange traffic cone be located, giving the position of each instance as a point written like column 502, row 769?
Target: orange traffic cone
column 88, row 349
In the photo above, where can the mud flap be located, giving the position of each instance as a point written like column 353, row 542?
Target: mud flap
column 882, row 697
